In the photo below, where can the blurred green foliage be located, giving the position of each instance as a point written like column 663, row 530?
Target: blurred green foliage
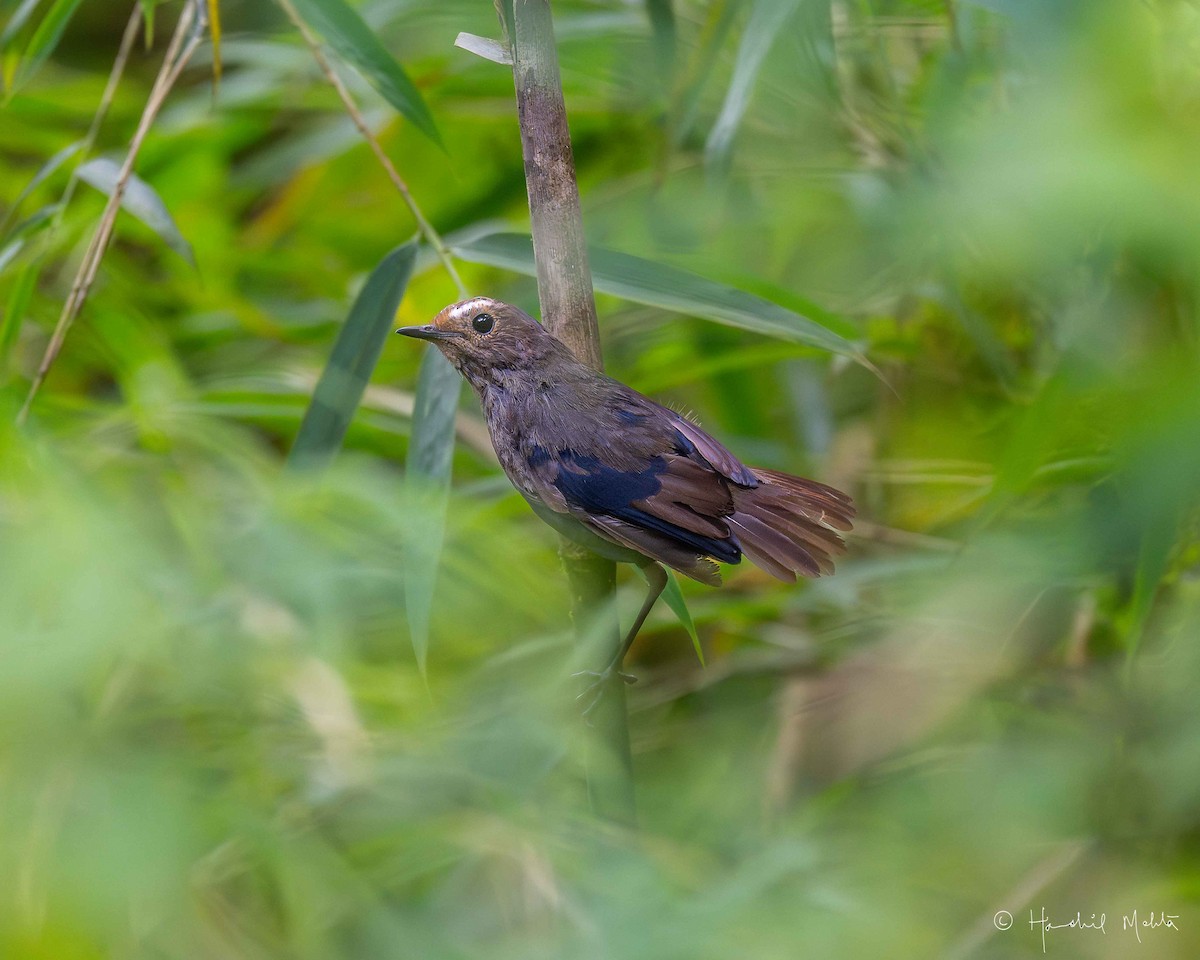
column 216, row 740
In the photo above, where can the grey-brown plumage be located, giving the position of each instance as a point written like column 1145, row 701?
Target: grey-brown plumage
column 621, row 474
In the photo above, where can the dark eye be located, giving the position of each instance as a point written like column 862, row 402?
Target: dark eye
column 483, row 323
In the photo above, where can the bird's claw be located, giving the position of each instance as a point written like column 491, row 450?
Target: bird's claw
column 596, row 688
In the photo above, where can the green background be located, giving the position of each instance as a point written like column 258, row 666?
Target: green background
column 215, row 740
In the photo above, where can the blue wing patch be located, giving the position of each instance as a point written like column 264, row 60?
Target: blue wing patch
column 590, row 485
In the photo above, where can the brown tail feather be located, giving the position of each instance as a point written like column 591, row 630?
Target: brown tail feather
column 786, row 524
column 760, row 551
column 771, row 549
column 817, row 539
column 810, row 499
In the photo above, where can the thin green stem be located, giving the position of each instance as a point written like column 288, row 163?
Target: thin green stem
column 183, row 44
column 427, row 230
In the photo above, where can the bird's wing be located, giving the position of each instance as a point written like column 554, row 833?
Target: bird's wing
column 651, row 481
column 641, row 483
column 667, row 495
column 704, row 447
column 674, row 430
column 659, row 547
column 626, row 542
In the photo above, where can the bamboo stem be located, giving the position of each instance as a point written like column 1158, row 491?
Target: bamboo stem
column 569, row 312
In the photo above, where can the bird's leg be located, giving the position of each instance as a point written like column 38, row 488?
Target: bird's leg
column 656, row 582
column 656, row 578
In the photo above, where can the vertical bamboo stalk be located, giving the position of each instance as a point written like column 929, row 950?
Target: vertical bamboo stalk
column 569, row 312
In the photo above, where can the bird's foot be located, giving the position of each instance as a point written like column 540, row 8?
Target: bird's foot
column 595, row 689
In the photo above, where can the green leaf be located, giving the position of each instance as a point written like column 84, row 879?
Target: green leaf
column 1153, row 561
column 430, row 454
column 148, row 8
column 673, row 596
column 23, row 231
column 214, row 32
column 432, row 445
column 355, row 353
column 139, row 199
column 9, row 253
column 991, row 348
column 662, row 25
column 44, row 171
column 345, row 31
column 766, row 23
column 718, row 21
column 19, row 18
column 45, row 38
column 659, row 285
column 14, row 312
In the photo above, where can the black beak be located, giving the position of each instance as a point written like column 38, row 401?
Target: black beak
column 429, row 332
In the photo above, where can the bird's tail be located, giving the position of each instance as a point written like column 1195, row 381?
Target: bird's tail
column 786, row 525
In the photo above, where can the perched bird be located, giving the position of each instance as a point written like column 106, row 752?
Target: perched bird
column 622, row 475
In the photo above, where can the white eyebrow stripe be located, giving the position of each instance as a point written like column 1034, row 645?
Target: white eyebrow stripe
column 467, row 306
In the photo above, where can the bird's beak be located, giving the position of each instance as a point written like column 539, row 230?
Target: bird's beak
column 429, row 332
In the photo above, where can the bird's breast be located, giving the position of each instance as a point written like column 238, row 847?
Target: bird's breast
column 509, row 424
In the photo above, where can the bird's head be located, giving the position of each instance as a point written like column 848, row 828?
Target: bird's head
column 488, row 340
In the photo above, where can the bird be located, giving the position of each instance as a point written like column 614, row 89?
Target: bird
column 624, row 476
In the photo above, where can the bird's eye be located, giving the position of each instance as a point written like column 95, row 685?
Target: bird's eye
column 483, row 323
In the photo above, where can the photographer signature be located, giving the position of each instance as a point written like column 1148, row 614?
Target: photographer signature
column 1129, row 921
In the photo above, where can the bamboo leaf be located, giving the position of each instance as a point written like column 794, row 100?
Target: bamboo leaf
column 19, row 18
column 659, row 285
column 432, row 445
column 20, row 235
column 430, row 455
column 484, row 47
column 1153, row 561
column 355, row 353
column 45, row 38
column 9, row 252
column 718, row 21
column 766, row 23
column 44, row 171
column 673, row 596
column 148, row 8
column 14, row 312
column 139, row 199
column 214, row 31
column 345, row 31
column 662, row 26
